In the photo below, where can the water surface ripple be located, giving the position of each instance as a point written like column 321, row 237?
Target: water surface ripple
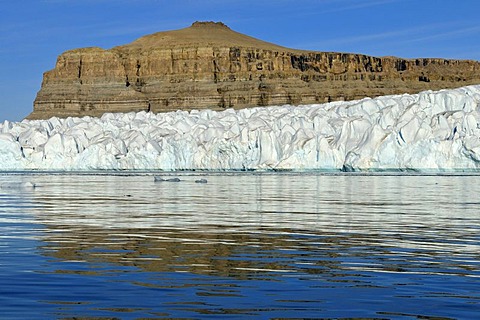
column 240, row 246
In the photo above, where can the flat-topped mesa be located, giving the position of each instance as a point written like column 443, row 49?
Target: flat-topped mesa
column 208, row 65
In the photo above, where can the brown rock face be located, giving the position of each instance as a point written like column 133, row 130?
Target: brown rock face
column 210, row 66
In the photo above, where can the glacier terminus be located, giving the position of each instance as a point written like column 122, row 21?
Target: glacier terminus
column 429, row 131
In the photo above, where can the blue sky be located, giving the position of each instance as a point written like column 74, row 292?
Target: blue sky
column 34, row 32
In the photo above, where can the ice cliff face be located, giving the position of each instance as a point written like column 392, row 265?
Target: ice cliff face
column 426, row 131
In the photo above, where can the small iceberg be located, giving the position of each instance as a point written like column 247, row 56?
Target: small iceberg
column 160, row 179
column 18, row 185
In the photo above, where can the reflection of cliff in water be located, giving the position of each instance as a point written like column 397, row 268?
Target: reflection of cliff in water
column 231, row 255
column 235, row 225
column 251, row 225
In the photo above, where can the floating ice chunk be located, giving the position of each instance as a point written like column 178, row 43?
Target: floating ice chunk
column 29, row 184
column 18, row 185
column 160, row 179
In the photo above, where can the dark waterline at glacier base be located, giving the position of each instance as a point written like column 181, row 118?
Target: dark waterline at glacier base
column 342, row 171
column 245, row 245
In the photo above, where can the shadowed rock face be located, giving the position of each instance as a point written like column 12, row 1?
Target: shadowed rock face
column 207, row 65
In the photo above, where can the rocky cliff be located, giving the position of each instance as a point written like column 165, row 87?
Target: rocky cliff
column 207, row 65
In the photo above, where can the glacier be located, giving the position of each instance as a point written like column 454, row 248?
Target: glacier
column 429, row 131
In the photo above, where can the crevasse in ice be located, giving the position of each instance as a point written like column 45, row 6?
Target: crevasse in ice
column 426, row 131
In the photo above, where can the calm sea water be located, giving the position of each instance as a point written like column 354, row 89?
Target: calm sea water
column 257, row 246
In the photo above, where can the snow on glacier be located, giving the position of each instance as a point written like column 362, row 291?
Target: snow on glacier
column 426, row 131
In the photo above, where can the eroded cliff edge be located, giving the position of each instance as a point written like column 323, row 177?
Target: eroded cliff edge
column 208, row 65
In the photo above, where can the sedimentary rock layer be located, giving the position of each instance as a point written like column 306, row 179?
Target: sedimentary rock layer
column 210, row 66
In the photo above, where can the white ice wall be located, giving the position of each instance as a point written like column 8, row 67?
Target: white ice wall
column 427, row 131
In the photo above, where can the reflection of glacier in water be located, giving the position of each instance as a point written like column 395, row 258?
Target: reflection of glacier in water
column 426, row 131
column 371, row 206
column 243, row 245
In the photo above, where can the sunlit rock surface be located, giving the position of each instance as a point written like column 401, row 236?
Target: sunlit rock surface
column 210, row 66
column 428, row 131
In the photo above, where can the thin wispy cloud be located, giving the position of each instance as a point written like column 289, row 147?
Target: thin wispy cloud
column 416, row 33
column 394, row 34
column 347, row 5
column 338, row 6
column 452, row 33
